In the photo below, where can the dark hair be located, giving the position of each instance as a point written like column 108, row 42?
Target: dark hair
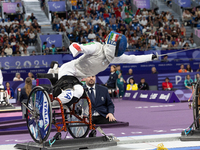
column 53, row 63
column 44, row 43
column 142, row 78
column 166, row 78
column 117, row 65
column 188, row 69
column 7, row 82
column 131, row 79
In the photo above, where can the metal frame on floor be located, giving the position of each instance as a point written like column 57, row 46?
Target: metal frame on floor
column 71, row 144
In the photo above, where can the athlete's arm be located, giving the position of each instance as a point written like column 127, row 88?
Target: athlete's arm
column 132, row 59
column 88, row 48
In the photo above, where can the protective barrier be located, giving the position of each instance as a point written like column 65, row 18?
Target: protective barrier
column 151, row 96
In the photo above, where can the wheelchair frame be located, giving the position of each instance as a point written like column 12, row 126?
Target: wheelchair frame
column 72, row 112
column 64, row 123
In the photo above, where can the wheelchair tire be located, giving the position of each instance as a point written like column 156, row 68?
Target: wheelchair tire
column 79, row 131
column 40, row 120
column 196, row 97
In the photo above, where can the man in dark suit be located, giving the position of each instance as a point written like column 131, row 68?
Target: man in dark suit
column 102, row 105
column 143, row 85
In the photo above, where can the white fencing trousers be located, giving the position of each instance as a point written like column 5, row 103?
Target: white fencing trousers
column 67, row 95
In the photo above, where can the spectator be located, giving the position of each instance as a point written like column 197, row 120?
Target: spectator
column 153, row 70
column 143, row 85
column 63, row 21
column 18, row 9
column 45, row 49
column 25, row 37
column 79, row 4
column 68, row 28
column 143, row 22
column 91, row 36
column 132, row 86
column 18, row 77
column 17, row 52
column 12, row 33
column 112, row 20
column 111, row 83
column 120, row 81
column 32, row 17
column 27, row 21
column 188, row 82
column 3, row 54
column 165, row 59
column 192, row 44
column 13, row 43
column 101, row 21
column 197, row 78
column 176, row 23
column 128, row 19
column 183, row 30
column 186, row 46
column 88, row 18
column 106, row 14
column 26, row 90
column 33, row 53
column 8, row 50
column 31, row 76
column 9, row 90
column 164, row 45
column 25, row 52
column 56, row 22
column 145, row 12
column 52, row 49
column 130, row 72
column 102, row 110
column 167, row 86
column 182, row 69
column 31, row 38
column 117, row 10
column 187, row 17
column 152, row 41
column 198, row 70
column 188, row 68
column 182, row 43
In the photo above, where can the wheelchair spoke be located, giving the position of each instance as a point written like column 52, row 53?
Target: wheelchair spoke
column 39, row 115
column 79, row 130
column 28, row 109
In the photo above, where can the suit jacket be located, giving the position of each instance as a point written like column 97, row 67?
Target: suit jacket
column 143, row 87
column 112, row 80
column 103, row 103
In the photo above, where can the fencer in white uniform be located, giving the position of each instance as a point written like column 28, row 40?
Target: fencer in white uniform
column 96, row 58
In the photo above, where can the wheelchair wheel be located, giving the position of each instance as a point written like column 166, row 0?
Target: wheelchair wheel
column 79, row 130
column 39, row 114
column 196, row 105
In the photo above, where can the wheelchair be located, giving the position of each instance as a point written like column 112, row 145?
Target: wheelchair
column 76, row 119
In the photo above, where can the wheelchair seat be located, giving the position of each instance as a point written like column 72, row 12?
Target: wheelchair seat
column 52, row 77
column 64, row 82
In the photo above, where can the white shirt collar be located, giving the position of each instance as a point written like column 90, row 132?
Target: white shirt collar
column 90, row 87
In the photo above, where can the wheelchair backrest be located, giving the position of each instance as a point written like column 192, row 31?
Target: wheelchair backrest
column 53, row 78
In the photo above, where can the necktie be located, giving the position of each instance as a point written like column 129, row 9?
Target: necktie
column 91, row 95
